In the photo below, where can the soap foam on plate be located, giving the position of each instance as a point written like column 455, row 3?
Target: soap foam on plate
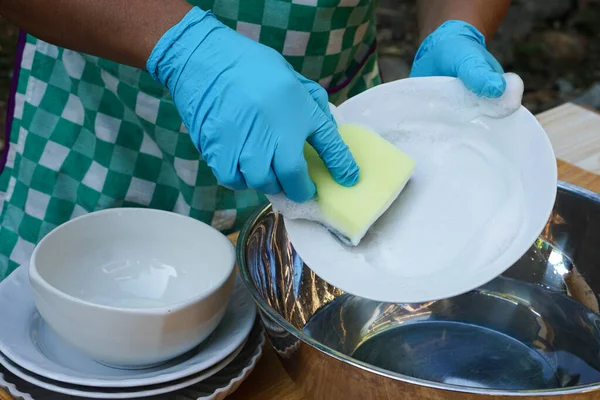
column 462, row 218
column 462, row 197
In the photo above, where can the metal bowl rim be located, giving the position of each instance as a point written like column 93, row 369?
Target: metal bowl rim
column 264, row 307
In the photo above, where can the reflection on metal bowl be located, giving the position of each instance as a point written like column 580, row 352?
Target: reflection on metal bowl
column 533, row 332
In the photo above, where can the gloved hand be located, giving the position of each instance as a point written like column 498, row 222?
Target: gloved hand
column 248, row 112
column 457, row 49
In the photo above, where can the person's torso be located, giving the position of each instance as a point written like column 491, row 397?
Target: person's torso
column 88, row 134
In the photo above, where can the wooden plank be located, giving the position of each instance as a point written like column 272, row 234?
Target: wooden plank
column 575, row 135
column 5, row 396
column 268, row 381
column 580, row 177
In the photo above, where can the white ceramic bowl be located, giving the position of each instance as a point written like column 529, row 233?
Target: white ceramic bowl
column 133, row 287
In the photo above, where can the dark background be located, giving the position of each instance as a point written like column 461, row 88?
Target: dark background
column 554, row 45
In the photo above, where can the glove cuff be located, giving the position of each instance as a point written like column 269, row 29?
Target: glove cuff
column 449, row 28
column 172, row 49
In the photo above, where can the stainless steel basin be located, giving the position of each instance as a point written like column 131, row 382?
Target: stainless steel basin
column 533, row 332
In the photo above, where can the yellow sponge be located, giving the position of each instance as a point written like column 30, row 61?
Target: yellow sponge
column 384, row 171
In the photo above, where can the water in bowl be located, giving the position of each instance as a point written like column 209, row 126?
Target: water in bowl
column 507, row 335
column 459, row 354
column 132, row 283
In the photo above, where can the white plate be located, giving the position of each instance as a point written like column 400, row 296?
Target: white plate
column 30, row 344
column 217, row 387
column 481, row 193
column 114, row 393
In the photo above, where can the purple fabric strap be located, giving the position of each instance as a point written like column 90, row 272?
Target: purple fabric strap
column 347, row 81
column 10, row 110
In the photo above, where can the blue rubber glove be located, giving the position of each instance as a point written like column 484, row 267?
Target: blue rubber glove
column 457, row 49
column 248, row 112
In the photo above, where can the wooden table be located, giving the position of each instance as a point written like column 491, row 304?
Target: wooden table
column 575, row 135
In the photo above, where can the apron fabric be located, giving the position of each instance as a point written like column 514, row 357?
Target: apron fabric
column 86, row 134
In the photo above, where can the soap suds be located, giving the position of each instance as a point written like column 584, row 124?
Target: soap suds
column 454, row 106
column 463, row 197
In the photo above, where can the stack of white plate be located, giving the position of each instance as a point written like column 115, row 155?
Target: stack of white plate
column 38, row 365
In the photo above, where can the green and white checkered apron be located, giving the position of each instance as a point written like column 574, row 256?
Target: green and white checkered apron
column 89, row 134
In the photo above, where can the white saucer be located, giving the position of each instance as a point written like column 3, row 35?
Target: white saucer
column 483, row 188
column 27, row 341
column 197, row 387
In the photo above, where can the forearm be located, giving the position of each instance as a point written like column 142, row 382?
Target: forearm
column 485, row 15
column 122, row 31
